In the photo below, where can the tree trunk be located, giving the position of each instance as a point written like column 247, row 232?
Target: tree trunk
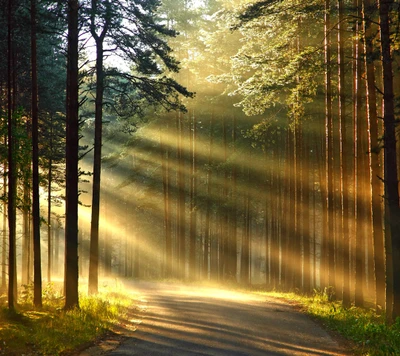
column 12, row 174
column 245, row 256
column 360, row 211
column 181, row 200
column 297, row 258
column 72, row 145
column 392, row 209
column 37, row 267
column 344, row 181
column 49, row 205
column 287, row 220
column 4, row 232
column 98, row 132
column 207, row 228
column 232, row 238
column 167, row 205
column 193, row 192
column 225, row 213
column 26, row 224
column 328, row 239
column 306, row 218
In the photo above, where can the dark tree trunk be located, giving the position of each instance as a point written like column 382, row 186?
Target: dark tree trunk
column 360, row 211
column 4, row 231
column 26, row 224
column 98, row 132
column 12, row 174
column 392, row 209
column 49, row 205
column 37, row 269
column 344, row 181
column 94, row 231
column 328, row 238
column 72, row 145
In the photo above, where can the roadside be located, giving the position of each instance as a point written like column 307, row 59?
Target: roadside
column 113, row 338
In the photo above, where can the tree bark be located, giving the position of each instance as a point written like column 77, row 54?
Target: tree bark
column 72, row 145
column 37, row 266
column 207, row 228
column 245, row 256
column 167, row 205
column 344, row 181
column 232, row 238
column 193, row 192
column 306, row 218
column 392, row 209
column 181, row 200
column 328, row 239
column 12, row 174
column 4, row 231
column 49, row 205
column 360, row 211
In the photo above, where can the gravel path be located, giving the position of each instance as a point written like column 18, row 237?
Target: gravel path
column 179, row 320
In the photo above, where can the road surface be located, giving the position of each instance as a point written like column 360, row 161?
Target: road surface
column 178, row 320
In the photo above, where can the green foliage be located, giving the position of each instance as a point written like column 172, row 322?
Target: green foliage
column 51, row 330
column 364, row 327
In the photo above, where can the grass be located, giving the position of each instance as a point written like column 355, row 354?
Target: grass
column 53, row 331
column 363, row 327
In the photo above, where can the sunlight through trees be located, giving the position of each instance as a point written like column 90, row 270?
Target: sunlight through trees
column 242, row 142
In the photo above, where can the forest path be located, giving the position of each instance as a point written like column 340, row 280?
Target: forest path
column 182, row 320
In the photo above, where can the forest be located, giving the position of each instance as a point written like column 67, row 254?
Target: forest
column 236, row 141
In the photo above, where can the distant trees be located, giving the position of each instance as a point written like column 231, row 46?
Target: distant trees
column 314, row 220
column 344, row 260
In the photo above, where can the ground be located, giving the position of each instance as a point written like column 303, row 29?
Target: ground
column 183, row 320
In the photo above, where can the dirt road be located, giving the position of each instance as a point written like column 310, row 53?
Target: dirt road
column 178, row 320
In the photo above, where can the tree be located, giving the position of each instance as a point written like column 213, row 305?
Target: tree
column 193, row 202
column 35, row 165
column 94, row 228
column 12, row 176
column 360, row 211
column 392, row 208
column 72, row 148
column 328, row 240
column 344, row 181
column 374, row 159
column 165, row 158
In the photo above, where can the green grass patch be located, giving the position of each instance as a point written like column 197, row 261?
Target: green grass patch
column 363, row 327
column 52, row 330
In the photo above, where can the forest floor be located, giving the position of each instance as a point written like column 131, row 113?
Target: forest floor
column 186, row 320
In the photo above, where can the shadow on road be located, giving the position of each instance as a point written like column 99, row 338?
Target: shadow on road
column 179, row 320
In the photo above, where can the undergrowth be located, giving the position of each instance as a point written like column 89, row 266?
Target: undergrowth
column 51, row 330
column 364, row 327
